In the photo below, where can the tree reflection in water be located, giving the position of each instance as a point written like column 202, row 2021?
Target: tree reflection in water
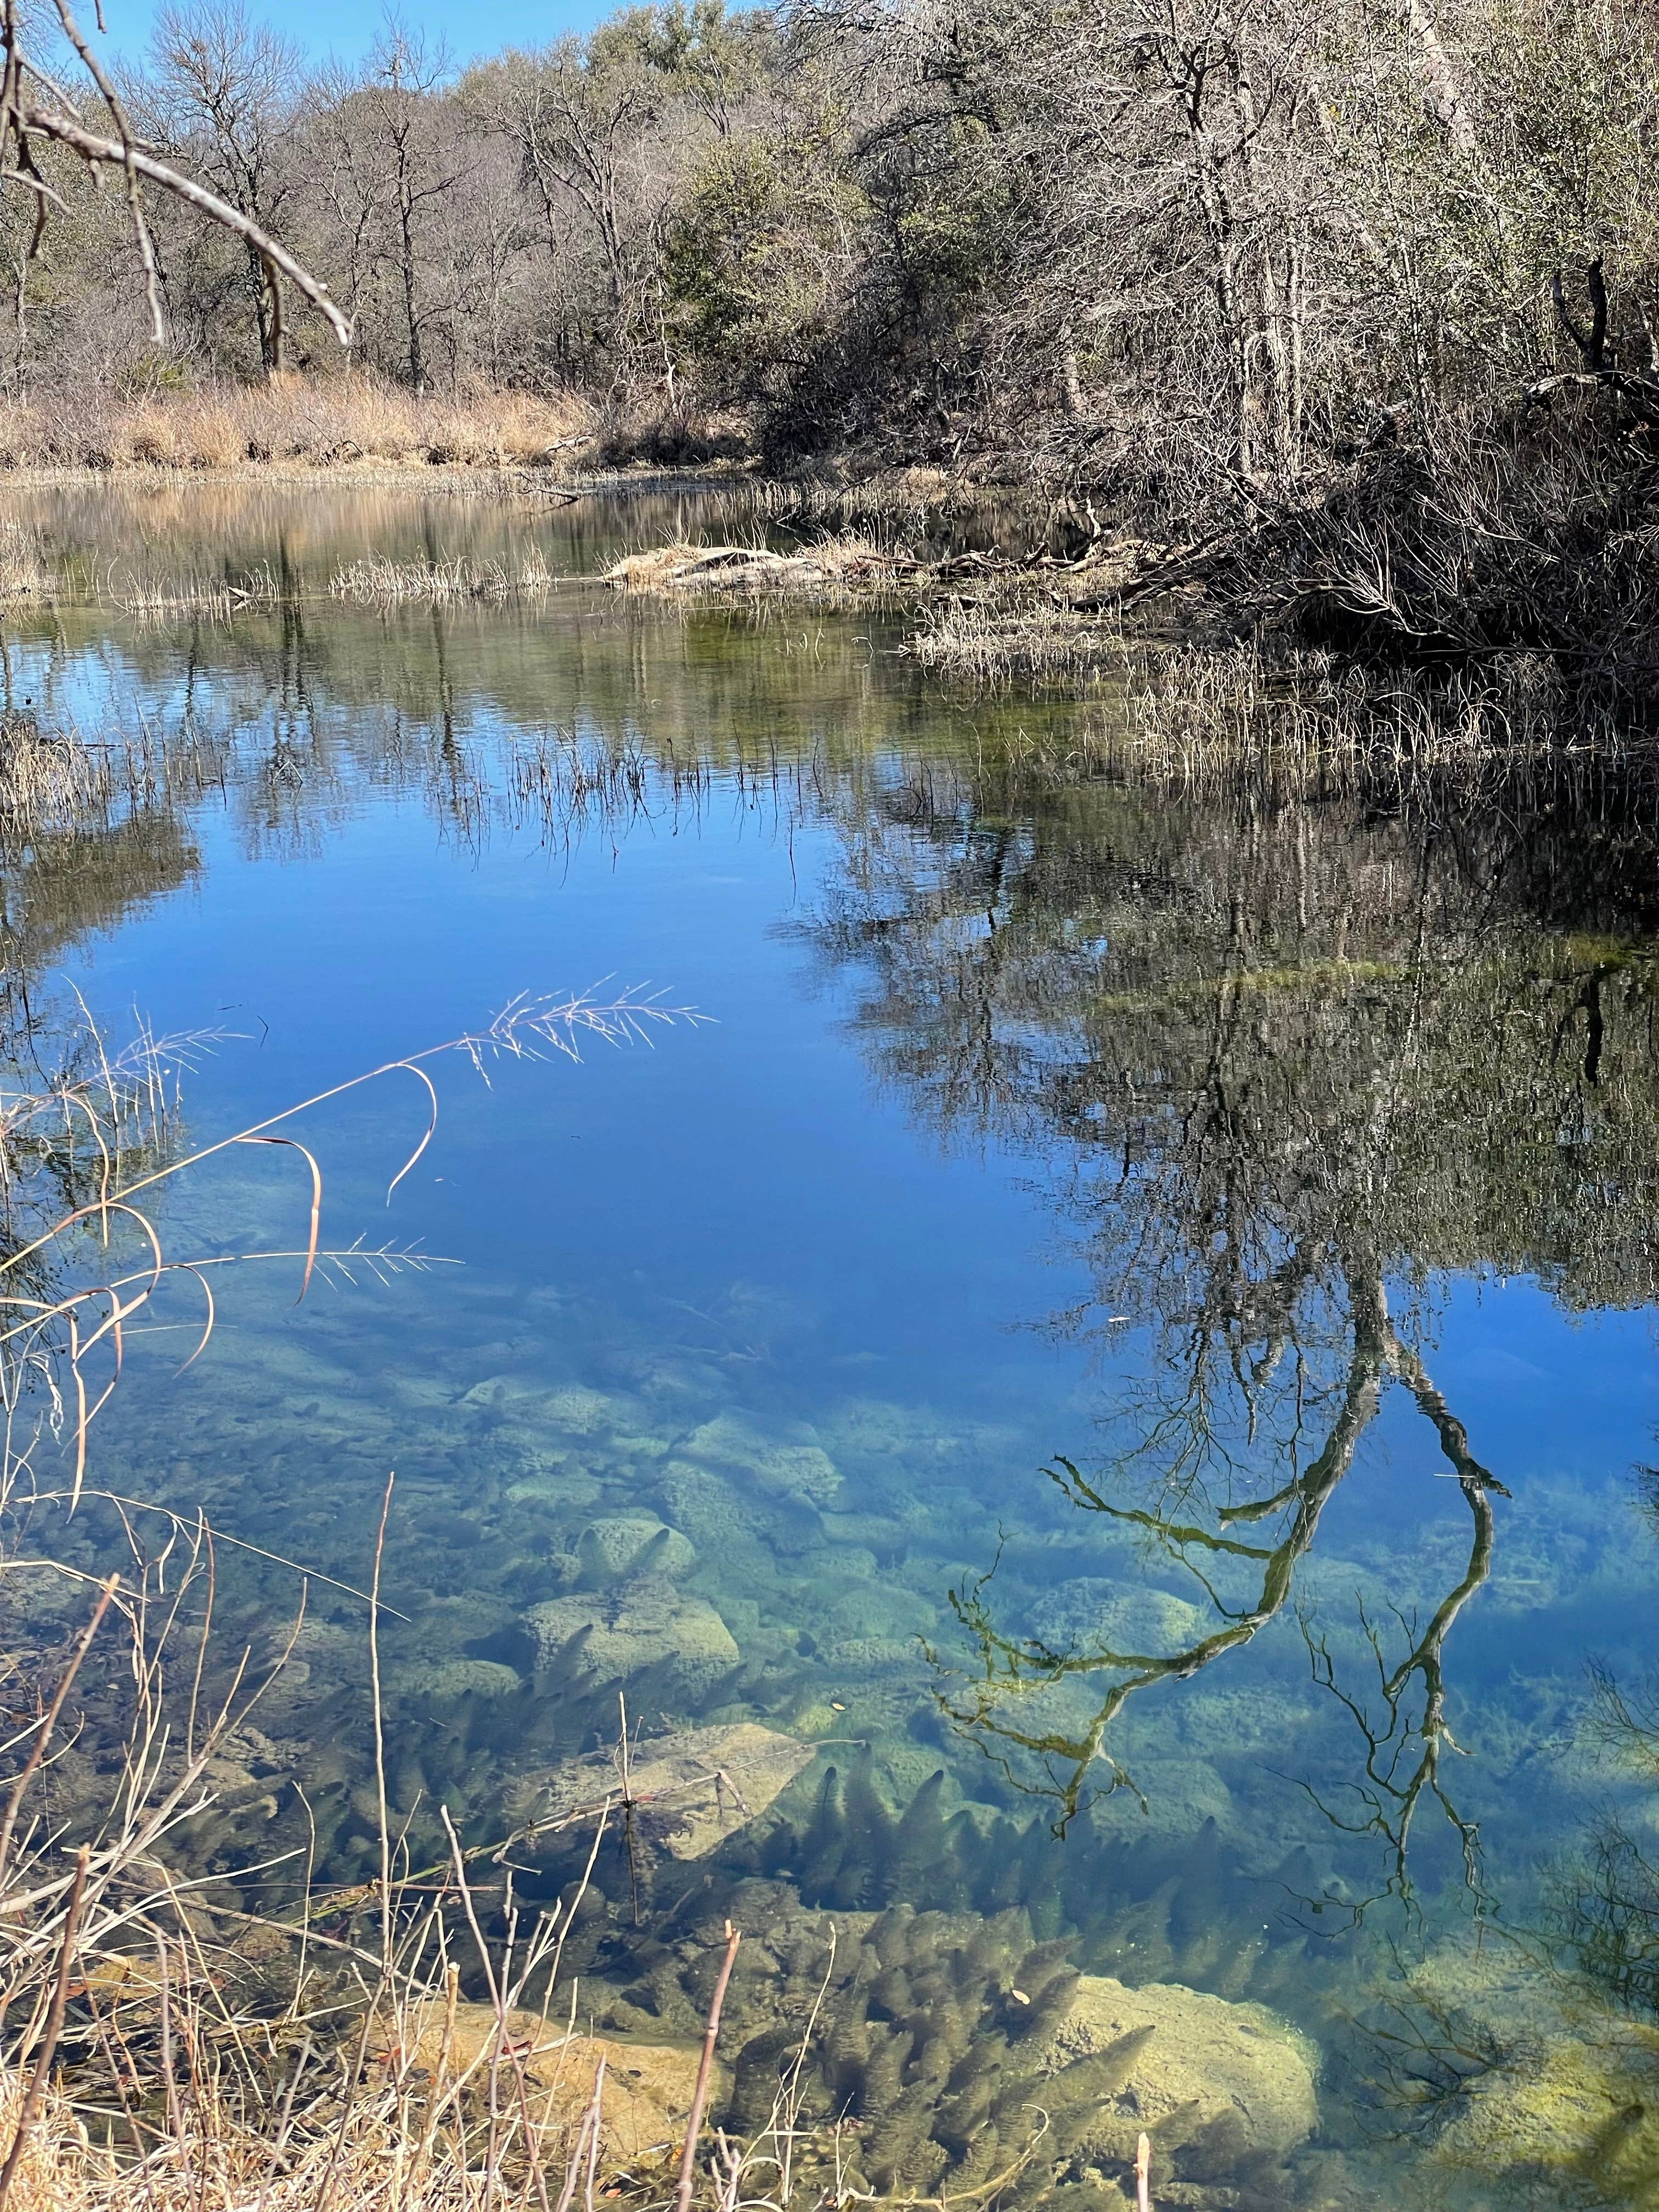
column 1286, row 1070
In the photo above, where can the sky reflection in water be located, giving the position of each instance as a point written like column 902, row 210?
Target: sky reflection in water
column 849, row 1218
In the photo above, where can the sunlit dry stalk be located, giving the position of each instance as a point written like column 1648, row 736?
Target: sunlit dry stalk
column 705, row 2067
column 162, row 597
column 379, row 1731
column 61, row 1328
column 54, row 2024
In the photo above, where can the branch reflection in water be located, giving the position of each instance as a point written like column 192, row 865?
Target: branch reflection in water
column 1284, row 1071
column 1289, row 1071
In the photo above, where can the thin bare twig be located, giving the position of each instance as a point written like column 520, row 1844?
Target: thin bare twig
column 379, row 1731
column 705, row 2067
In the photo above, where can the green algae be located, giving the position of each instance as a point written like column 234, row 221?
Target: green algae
column 954, row 2044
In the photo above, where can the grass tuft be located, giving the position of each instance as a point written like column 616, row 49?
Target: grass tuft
column 377, row 582
column 25, row 575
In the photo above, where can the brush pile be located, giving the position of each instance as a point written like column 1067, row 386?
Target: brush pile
column 837, row 562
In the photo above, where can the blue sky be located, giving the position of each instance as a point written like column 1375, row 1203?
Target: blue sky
column 346, row 27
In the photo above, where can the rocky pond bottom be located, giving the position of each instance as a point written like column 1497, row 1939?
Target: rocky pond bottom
column 764, row 1605
column 1091, row 1430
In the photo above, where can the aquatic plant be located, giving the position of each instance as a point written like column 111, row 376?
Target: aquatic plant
column 1023, row 628
column 961, row 2060
column 50, row 780
column 163, row 596
column 1304, row 724
column 27, row 575
column 376, row 581
column 85, row 814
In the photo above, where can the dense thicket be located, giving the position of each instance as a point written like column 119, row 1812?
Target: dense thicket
column 1235, row 257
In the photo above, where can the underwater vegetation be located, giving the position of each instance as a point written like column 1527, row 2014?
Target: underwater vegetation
column 955, row 2048
column 987, row 1999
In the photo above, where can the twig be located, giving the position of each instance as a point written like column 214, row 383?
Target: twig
column 9, row 1821
column 705, row 2067
column 54, row 2024
column 590, row 2120
column 627, row 1805
column 379, row 1733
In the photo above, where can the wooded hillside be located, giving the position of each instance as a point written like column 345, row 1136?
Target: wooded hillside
column 1230, row 262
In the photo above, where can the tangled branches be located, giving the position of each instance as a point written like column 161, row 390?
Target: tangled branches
column 36, row 110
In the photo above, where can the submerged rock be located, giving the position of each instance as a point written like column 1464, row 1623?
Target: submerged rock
column 647, row 2089
column 621, row 1632
column 570, row 1408
column 459, row 1678
column 792, row 1463
column 872, row 1655
column 495, row 1392
column 702, row 1783
column 728, row 1514
column 631, row 1546
column 1180, row 2064
column 552, row 1479
column 1172, row 1799
column 1576, row 2114
column 1089, row 1614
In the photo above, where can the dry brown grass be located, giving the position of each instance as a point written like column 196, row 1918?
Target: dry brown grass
column 162, row 596
column 157, row 2056
column 50, row 779
column 1023, row 635
column 1215, row 720
column 834, row 568
column 26, row 574
column 376, row 581
column 1309, row 724
column 319, row 421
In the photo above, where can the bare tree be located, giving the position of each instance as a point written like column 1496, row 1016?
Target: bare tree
column 37, row 110
column 572, row 113
column 225, row 97
column 395, row 161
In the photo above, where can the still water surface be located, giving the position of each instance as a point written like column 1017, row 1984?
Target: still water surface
column 1138, row 1307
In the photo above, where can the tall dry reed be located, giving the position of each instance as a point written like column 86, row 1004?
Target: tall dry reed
column 377, row 581
column 145, row 2058
column 312, row 422
column 153, row 2057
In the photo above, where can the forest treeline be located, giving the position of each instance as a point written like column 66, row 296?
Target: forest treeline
column 1279, row 264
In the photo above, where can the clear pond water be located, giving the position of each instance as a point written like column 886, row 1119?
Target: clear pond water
column 1135, row 1307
